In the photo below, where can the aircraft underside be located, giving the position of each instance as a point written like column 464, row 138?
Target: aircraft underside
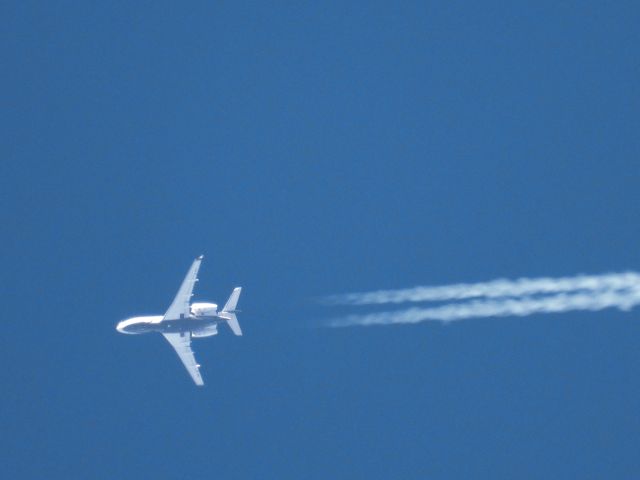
column 194, row 325
column 184, row 321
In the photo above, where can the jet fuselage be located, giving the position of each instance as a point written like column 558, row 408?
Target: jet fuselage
column 197, row 325
column 184, row 321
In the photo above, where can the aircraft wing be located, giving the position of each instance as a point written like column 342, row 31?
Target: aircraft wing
column 181, row 342
column 180, row 306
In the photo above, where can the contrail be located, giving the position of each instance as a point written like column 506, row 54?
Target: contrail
column 497, row 298
column 493, row 289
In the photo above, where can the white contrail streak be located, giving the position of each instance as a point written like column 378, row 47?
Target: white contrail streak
column 493, row 289
column 499, row 298
column 498, row 308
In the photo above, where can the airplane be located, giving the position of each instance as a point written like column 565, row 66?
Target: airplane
column 185, row 320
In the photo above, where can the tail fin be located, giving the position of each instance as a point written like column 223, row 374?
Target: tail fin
column 229, row 311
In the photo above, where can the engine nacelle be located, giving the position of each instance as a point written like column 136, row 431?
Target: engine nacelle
column 204, row 309
column 207, row 331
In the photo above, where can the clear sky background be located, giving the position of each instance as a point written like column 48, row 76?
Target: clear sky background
column 308, row 150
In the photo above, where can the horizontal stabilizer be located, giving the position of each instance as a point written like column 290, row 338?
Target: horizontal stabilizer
column 228, row 312
column 232, row 321
column 231, row 304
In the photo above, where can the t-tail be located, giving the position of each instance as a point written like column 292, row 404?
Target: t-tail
column 229, row 311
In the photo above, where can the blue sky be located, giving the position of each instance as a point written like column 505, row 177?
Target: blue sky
column 309, row 150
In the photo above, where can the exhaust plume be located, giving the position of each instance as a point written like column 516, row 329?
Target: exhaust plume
column 498, row 298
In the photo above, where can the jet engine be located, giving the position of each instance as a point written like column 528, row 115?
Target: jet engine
column 204, row 309
column 207, row 331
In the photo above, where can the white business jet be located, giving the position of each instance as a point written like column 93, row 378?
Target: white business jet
column 184, row 321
